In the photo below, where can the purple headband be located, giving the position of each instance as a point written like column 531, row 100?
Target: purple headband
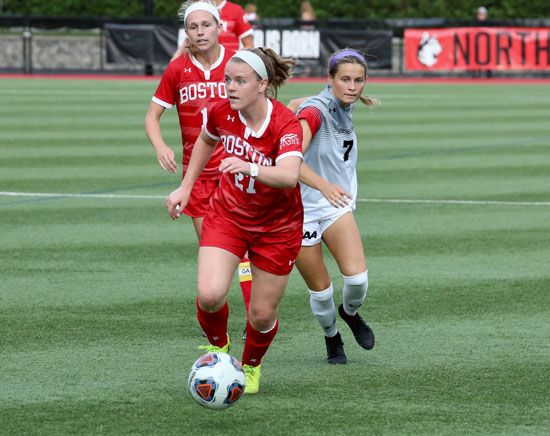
column 343, row 54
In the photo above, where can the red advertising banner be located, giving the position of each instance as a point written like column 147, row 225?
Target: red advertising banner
column 477, row 48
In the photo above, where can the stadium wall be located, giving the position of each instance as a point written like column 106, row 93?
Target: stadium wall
column 106, row 45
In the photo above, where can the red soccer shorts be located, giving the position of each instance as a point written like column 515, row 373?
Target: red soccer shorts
column 274, row 252
column 200, row 198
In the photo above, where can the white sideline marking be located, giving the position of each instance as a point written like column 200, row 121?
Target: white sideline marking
column 360, row 200
column 60, row 91
column 67, row 195
column 455, row 202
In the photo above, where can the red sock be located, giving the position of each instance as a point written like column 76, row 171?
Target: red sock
column 214, row 324
column 245, row 280
column 257, row 343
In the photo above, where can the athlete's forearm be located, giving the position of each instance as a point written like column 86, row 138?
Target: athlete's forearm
column 155, row 136
column 284, row 175
column 152, row 127
column 311, row 178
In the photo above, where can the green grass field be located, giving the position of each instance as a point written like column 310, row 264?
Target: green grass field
column 97, row 284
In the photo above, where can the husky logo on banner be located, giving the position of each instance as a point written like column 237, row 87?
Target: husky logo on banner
column 428, row 49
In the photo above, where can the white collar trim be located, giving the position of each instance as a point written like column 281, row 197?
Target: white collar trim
column 212, row 67
column 249, row 132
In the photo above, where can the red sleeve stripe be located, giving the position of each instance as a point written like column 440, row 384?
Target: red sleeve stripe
column 313, row 117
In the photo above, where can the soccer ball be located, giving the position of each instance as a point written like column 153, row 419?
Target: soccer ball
column 216, row 380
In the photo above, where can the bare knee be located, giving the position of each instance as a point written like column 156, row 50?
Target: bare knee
column 352, row 267
column 261, row 319
column 210, row 300
column 318, row 284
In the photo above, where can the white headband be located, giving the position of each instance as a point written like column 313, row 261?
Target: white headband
column 202, row 6
column 254, row 61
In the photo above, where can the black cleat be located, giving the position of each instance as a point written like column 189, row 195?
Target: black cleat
column 335, row 350
column 361, row 331
column 244, row 334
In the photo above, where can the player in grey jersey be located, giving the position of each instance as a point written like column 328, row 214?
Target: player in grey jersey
column 328, row 182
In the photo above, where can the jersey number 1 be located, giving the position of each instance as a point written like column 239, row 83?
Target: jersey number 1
column 204, row 112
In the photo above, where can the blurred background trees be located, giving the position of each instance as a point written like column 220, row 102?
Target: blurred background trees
column 352, row 9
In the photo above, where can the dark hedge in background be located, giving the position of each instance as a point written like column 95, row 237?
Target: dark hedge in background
column 373, row 9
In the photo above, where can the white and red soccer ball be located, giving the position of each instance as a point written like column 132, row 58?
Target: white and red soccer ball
column 217, row 380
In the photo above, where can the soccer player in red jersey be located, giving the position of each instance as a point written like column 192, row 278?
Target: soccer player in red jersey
column 194, row 83
column 257, row 206
column 236, row 32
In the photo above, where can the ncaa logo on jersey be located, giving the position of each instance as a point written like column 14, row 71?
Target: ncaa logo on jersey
column 288, row 140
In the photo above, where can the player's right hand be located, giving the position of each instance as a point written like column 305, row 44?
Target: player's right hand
column 335, row 195
column 166, row 158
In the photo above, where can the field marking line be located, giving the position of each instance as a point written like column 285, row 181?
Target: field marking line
column 21, row 92
column 359, row 200
column 69, row 195
column 454, row 202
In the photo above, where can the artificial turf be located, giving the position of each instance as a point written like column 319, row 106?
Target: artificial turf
column 97, row 316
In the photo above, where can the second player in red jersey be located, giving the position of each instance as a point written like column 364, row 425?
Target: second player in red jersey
column 194, row 90
column 193, row 83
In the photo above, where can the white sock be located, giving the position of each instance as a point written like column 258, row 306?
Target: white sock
column 322, row 306
column 355, row 291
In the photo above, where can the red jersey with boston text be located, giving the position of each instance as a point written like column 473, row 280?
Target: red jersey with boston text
column 235, row 25
column 241, row 198
column 194, row 91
